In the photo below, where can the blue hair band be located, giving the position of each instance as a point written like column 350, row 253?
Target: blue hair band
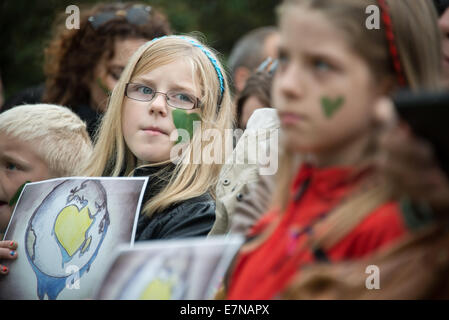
column 209, row 56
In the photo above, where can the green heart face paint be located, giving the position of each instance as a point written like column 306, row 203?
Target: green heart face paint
column 103, row 87
column 331, row 106
column 15, row 198
column 184, row 120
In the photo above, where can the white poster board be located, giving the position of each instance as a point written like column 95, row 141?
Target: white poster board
column 68, row 230
column 185, row 269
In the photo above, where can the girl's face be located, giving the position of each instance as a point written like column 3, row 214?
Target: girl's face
column 147, row 125
column 323, row 91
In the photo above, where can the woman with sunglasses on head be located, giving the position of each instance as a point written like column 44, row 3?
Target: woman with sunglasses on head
column 83, row 65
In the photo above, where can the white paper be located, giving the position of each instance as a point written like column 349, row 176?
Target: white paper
column 185, row 269
column 68, row 230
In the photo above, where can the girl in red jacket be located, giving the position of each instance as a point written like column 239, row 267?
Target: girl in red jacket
column 337, row 62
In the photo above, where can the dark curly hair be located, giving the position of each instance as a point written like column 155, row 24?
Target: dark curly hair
column 72, row 54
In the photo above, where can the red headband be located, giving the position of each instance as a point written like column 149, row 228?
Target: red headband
column 386, row 18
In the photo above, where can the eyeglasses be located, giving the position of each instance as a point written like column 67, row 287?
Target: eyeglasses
column 175, row 99
column 137, row 15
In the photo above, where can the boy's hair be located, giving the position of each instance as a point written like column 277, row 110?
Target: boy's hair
column 57, row 134
column 112, row 157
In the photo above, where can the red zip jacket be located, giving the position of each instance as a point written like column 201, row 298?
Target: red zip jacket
column 263, row 272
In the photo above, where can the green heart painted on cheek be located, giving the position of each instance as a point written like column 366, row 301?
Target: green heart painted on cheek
column 331, row 106
column 184, row 120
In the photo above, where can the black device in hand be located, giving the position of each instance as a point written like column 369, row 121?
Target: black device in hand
column 427, row 113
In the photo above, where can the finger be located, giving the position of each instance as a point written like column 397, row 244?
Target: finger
column 3, row 270
column 11, row 244
column 8, row 254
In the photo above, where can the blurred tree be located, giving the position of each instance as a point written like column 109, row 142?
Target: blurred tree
column 25, row 28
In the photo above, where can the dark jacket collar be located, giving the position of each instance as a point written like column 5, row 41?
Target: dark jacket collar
column 158, row 178
column 149, row 170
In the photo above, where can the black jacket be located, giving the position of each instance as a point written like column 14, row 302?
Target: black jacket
column 34, row 95
column 189, row 218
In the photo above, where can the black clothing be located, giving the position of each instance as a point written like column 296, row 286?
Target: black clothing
column 189, row 218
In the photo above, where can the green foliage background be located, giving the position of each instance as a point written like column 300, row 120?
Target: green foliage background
column 25, row 28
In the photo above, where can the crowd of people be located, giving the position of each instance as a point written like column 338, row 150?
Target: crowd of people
column 354, row 185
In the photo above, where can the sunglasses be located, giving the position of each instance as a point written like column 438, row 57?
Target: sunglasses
column 136, row 15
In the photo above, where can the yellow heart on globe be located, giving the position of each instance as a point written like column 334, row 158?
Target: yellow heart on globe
column 157, row 290
column 71, row 226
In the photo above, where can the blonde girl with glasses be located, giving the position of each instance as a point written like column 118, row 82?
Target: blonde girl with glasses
column 169, row 84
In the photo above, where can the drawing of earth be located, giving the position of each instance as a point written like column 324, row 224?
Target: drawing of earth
column 66, row 230
column 162, row 277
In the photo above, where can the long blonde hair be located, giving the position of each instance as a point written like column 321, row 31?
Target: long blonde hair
column 112, row 157
column 418, row 40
